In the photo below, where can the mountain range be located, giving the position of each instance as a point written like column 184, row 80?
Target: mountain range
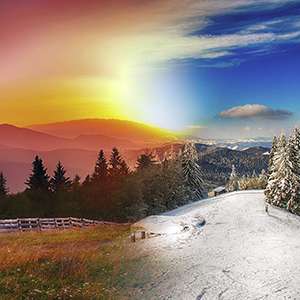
column 76, row 144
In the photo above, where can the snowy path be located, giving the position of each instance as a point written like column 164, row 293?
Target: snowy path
column 240, row 253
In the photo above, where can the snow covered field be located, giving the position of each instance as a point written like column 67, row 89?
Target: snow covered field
column 240, row 252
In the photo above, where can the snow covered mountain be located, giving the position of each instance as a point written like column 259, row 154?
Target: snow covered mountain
column 240, row 253
column 236, row 144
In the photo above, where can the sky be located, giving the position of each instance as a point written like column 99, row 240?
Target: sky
column 210, row 68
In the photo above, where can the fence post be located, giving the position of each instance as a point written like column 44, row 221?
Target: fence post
column 19, row 224
column 39, row 224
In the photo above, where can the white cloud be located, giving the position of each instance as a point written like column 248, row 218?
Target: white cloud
column 254, row 111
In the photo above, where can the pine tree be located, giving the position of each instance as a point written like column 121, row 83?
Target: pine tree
column 272, row 153
column 243, row 183
column 191, row 170
column 59, row 182
column 124, row 169
column 281, row 185
column 101, row 168
column 75, row 183
column 86, row 181
column 263, row 179
column 118, row 166
column 145, row 161
column 270, row 188
column 3, row 187
column 233, row 183
column 39, row 179
column 293, row 153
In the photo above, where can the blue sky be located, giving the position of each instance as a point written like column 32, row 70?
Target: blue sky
column 252, row 64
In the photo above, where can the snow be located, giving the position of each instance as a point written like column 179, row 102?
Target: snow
column 219, row 189
column 239, row 253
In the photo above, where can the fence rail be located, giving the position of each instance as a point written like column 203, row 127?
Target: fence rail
column 26, row 224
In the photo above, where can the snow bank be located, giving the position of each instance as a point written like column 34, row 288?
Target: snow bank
column 182, row 219
column 162, row 224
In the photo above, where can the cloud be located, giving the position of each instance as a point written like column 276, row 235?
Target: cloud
column 249, row 111
column 102, row 38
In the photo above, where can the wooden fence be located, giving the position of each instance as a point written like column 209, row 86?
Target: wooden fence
column 26, row 224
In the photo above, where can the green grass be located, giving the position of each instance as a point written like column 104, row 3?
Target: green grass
column 71, row 264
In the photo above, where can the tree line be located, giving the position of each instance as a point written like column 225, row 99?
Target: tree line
column 111, row 192
column 246, row 182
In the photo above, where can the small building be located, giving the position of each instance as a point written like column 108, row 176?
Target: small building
column 217, row 191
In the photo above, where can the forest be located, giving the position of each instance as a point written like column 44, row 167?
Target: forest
column 111, row 192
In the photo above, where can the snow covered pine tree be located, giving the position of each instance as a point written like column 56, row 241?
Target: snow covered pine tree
column 293, row 152
column 191, row 170
column 270, row 185
column 233, row 183
column 283, row 185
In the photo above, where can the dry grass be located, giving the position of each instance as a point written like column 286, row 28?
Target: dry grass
column 71, row 264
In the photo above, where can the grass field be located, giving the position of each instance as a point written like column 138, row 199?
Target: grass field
column 70, row 264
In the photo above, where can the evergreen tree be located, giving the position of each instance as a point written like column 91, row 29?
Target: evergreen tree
column 263, row 179
column 75, row 183
column 270, row 188
column 191, row 171
column 281, row 185
column 59, row 182
column 124, row 169
column 39, row 179
column 101, row 168
column 145, row 161
column 272, row 153
column 118, row 166
column 233, row 183
column 294, row 156
column 243, row 183
column 3, row 187
column 86, row 181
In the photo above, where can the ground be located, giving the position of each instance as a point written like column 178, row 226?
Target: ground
column 226, row 247
column 240, row 252
column 68, row 264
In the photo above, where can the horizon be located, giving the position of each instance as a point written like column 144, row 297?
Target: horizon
column 178, row 134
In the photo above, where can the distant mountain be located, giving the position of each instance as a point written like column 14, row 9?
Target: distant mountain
column 24, row 138
column 128, row 130
column 17, row 137
column 94, row 142
column 216, row 162
column 244, row 145
column 235, row 144
column 18, row 146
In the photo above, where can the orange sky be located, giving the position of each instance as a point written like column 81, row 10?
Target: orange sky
column 67, row 59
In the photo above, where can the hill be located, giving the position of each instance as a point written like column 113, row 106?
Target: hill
column 133, row 131
column 17, row 137
column 240, row 252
